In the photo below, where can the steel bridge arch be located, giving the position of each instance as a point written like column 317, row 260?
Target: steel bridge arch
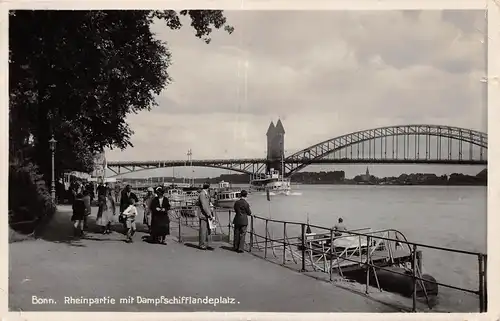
column 303, row 158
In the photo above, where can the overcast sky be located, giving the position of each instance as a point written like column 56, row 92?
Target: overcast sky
column 324, row 73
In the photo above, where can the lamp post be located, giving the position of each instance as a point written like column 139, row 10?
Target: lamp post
column 53, row 143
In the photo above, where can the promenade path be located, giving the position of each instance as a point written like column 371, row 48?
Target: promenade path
column 57, row 266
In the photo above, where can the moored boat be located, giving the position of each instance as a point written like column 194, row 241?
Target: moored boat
column 227, row 199
column 225, row 196
column 273, row 182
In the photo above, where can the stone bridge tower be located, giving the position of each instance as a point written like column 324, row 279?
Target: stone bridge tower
column 275, row 146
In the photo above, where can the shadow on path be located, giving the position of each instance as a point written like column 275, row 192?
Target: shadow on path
column 193, row 246
column 227, row 248
column 60, row 230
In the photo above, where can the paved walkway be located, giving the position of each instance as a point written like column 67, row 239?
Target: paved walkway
column 58, row 266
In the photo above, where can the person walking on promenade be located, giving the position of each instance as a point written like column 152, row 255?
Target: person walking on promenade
column 101, row 201
column 205, row 215
column 108, row 212
column 125, row 197
column 88, row 207
column 160, row 223
column 102, row 192
column 240, row 222
column 78, row 215
column 150, row 196
column 117, row 192
column 130, row 214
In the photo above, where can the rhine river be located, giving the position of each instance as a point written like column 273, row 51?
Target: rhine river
column 446, row 216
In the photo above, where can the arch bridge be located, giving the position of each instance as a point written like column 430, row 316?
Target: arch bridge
column 405, row 144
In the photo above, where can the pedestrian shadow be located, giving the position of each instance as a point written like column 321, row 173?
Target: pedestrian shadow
column 227, row 248
column 60, row 229
column 193, row 246
column 148, row 239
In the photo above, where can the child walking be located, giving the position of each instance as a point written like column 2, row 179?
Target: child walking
column 78, row 216
column 130, row 213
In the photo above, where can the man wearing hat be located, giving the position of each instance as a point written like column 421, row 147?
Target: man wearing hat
column 205, row 215
column 160, row 223
column 240, row 221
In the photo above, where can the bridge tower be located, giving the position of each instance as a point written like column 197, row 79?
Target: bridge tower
column 275, row 145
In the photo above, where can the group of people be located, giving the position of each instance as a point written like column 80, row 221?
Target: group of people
column 156, row 214
column 206, row 220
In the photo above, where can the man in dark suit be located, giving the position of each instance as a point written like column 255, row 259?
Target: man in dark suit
column 240, row 221
column 125, row 198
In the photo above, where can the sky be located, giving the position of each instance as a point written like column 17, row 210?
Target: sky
column 324, row 73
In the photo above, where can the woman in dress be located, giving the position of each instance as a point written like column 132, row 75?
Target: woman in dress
column 160, row 225
column 105, row 218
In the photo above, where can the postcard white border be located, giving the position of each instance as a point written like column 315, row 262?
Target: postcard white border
column 493, row 7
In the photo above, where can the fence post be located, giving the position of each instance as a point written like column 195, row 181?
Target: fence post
column 265, row 243
column 485, row 281
column 481, row 284
column 414, row 274
column 229, row 227
column 284, row 243
column 303, row 237
column 331, row 255
column 251, row 233
column 368, row 240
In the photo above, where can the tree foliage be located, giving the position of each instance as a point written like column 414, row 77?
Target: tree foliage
column 78, row 74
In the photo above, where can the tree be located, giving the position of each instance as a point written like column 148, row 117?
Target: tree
column 78, row 74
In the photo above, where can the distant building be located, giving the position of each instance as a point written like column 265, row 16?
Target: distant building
column 366, row 177
column 275, row 145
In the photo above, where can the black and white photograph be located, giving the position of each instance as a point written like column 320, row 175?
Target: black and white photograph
column 294, row 161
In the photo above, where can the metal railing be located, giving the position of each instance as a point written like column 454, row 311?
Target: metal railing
column 317, row 251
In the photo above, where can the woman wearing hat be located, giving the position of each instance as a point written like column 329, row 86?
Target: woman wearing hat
column 147, row 207
column 160, row 223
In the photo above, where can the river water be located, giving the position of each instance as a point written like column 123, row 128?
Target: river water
column 446, row 216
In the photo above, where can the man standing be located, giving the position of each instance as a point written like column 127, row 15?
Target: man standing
column 240, row 221
column 125, row 198
column 205, row 215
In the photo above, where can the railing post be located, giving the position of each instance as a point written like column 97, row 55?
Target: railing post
column 481, row 284
column 485, row 281
column 331, row 255
column 229, row 227
column 251, row 233
column 414, row 274
column 367, row 262
column 265, row 243
column 284, row 243
column 303, row 237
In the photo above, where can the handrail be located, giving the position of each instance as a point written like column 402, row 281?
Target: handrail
column 288, row 243
column 379, row 237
